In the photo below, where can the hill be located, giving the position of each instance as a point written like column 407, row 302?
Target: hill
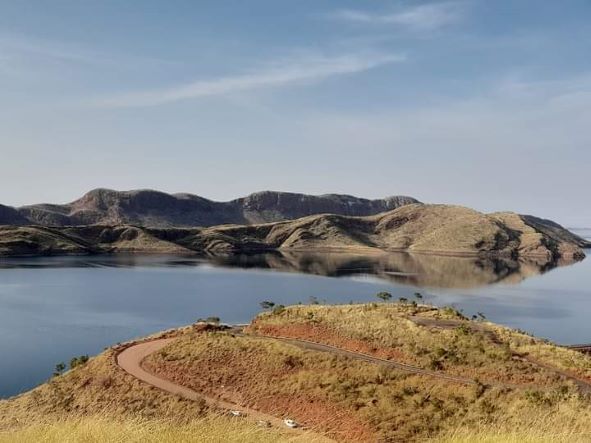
column 435, row 229
column 158, row 209
column 371, row 372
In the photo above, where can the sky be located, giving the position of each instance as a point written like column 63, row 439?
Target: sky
column 471, row 102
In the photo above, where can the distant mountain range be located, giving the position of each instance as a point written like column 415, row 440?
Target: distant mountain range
column 156, row 209
column 419, row 228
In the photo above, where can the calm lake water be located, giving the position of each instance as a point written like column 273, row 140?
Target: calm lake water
column 52, row 309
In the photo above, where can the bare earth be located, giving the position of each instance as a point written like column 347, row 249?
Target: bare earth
column 132, row 357
column 130, row 360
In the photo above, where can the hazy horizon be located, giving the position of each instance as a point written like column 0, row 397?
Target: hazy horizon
column 470, row 102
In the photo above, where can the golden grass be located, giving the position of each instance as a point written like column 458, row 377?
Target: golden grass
column 458, row 346
column 96, row 388
column 568, row 423
column 211, row 429
column 332, row 394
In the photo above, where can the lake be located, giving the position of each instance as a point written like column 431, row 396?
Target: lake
column 52, row 309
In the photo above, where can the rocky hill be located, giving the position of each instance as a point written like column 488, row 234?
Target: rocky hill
column 158, row 209
column 11, row 216
column 437, row 229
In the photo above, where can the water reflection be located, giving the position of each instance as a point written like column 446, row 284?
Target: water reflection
column 409, row 269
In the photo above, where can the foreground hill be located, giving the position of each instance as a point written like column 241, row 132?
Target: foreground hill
column 158, row 209
column 438, row 229
column 386, row 372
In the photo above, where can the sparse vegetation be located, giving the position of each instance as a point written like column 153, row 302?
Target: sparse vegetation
column 347, row 399
column 214, row 320
column 278, row 309
column 59, row 369
column 385, row 296
column 95, row 429
column 78, row 361
column 266, row 304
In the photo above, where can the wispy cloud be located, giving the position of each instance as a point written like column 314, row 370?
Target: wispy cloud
column 420, row 18
column 25, row 52
column 299, row 69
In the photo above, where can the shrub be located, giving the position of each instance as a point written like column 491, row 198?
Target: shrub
column 59, row 369
column 78, row 361
column 266, row 304
column 278, row 309
column 384, row 295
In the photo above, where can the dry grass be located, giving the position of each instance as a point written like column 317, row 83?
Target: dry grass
column 437, row 339
column 212, row 429
column 566, row 423
column 97, row 388
column 348, row 400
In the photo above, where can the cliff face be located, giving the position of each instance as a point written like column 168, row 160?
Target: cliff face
column 158, row 209
column 437, row 229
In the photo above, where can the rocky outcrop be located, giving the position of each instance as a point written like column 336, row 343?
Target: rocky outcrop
column 158, row 209
column 435, row 229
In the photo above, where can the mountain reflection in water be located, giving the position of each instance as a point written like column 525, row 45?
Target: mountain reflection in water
column 410, row 269
column 419, row 270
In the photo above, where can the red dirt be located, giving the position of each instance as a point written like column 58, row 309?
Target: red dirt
column 320, row 334
column 244, row 378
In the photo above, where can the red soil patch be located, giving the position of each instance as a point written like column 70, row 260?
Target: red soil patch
column 324, row 335
column 244, row 377
column 529, row 375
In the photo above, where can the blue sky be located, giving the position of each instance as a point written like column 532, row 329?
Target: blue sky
column 479, row 103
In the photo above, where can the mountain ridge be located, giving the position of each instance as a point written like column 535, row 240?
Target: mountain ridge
column 150, row 208
column 417, row 228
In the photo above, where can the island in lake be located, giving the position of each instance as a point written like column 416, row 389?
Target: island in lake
column 145, row 221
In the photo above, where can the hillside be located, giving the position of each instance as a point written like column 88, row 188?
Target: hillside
column 435, row 229
column 158, row 209
column 387, row 372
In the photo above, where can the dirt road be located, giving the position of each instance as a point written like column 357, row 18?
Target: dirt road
column 131, row 358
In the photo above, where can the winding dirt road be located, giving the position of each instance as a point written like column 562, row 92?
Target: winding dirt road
column 131, row 358
column 313, row 346
column 583, row 385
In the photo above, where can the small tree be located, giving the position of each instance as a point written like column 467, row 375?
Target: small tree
column 59, row 369
column 78, row 361
column 385, row 296
column 418, row 296
column 482, row 316
column 403, row 299
column 215, row 320
column 266, row 304
column 313, row 300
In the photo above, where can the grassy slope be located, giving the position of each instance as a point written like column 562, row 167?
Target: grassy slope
column 95, row 429
column 347, row 399
column 442, row 229
column 474, row 349
column 427, row 337
column 99, row 402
